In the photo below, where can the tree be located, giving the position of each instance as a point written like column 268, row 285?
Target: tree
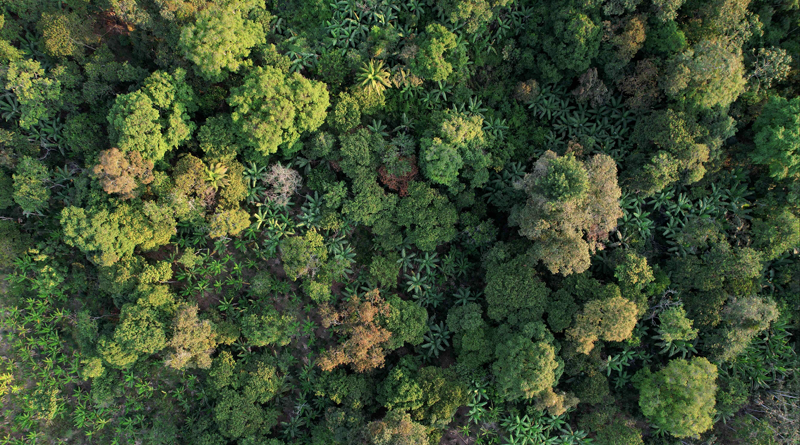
column 573, row 41
column 674, row 326
column 742, row 319
column 458, row 141
column 571, row 207
column 272, row 109
column 440, row 161
column 709, row 74
column 407, row 321
column 428, row 217
column 680, row 398
column 401, row 390
column 610, row 319
column 192, row 340
column 396, row 428
column 123, row 173
column 154, row 119
column 222, row 36
column 436, row 57
column 670, row 150
column 229, row 222
column 106, row 234
column 513, row 289
column 357, row 322
column 524, row 369
column 777, row 234
column 777, row 138
column 140, row 331
column 303, row 255
column 266, row 326
column 30, row 190
column 37, row 93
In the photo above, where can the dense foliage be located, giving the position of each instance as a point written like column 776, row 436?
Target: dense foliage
column 399, row 222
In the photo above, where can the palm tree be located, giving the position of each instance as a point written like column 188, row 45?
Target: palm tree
column 216, row 175
column 372, row 77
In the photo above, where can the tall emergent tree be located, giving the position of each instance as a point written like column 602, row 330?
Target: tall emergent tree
column 572, row 206
column 680, row 398
column 273, row 109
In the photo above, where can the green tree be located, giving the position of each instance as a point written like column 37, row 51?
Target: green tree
column 524, row 369
column 222, row 36
column 571, row 207
column 107, row 234
column 407, row 321
column 192, row 340
column 610, row 319
column 154, row 119
column 396, row 428
column 140, row 332
column 437, row 54
column 673, row 325
column 266, row 326
column 303, row 255
column 401, row 390
column 776, row 234
column 777, row 138
column 428, row 216
column 272, row 109
column 670, row 150
column 440, row 161
column 680, row 398
column 31, row 192
column 742, row 319
column 709, row 74
column 38, row 94
column 513, row 289
column 228, row 223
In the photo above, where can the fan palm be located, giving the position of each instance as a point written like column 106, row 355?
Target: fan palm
column 373, row 77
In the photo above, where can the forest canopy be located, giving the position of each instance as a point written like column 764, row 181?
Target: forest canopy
column 400, row 222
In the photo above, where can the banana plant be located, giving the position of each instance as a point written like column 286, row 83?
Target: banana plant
column 436, row 340
column 428, row 262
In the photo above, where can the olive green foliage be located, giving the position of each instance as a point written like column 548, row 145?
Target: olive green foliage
column 459, row 142
column 709, row 74
column 610, row 319
column 406, row 321
column 273, row 109
column 223, row 35
column 267, row 326
column 396, row 428
column 304, row 255
column 778, row 137
column 513, row 289
column 31, row 191
column 674, row 326
column 437, row 54
column 571, row 207
column 192, row 340
column 428, row 217
column 37, row 92
column 524, row 368
column 680, row 398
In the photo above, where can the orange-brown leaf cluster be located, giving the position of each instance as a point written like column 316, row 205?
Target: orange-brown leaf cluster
column 357, row 320
column 122, row 173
